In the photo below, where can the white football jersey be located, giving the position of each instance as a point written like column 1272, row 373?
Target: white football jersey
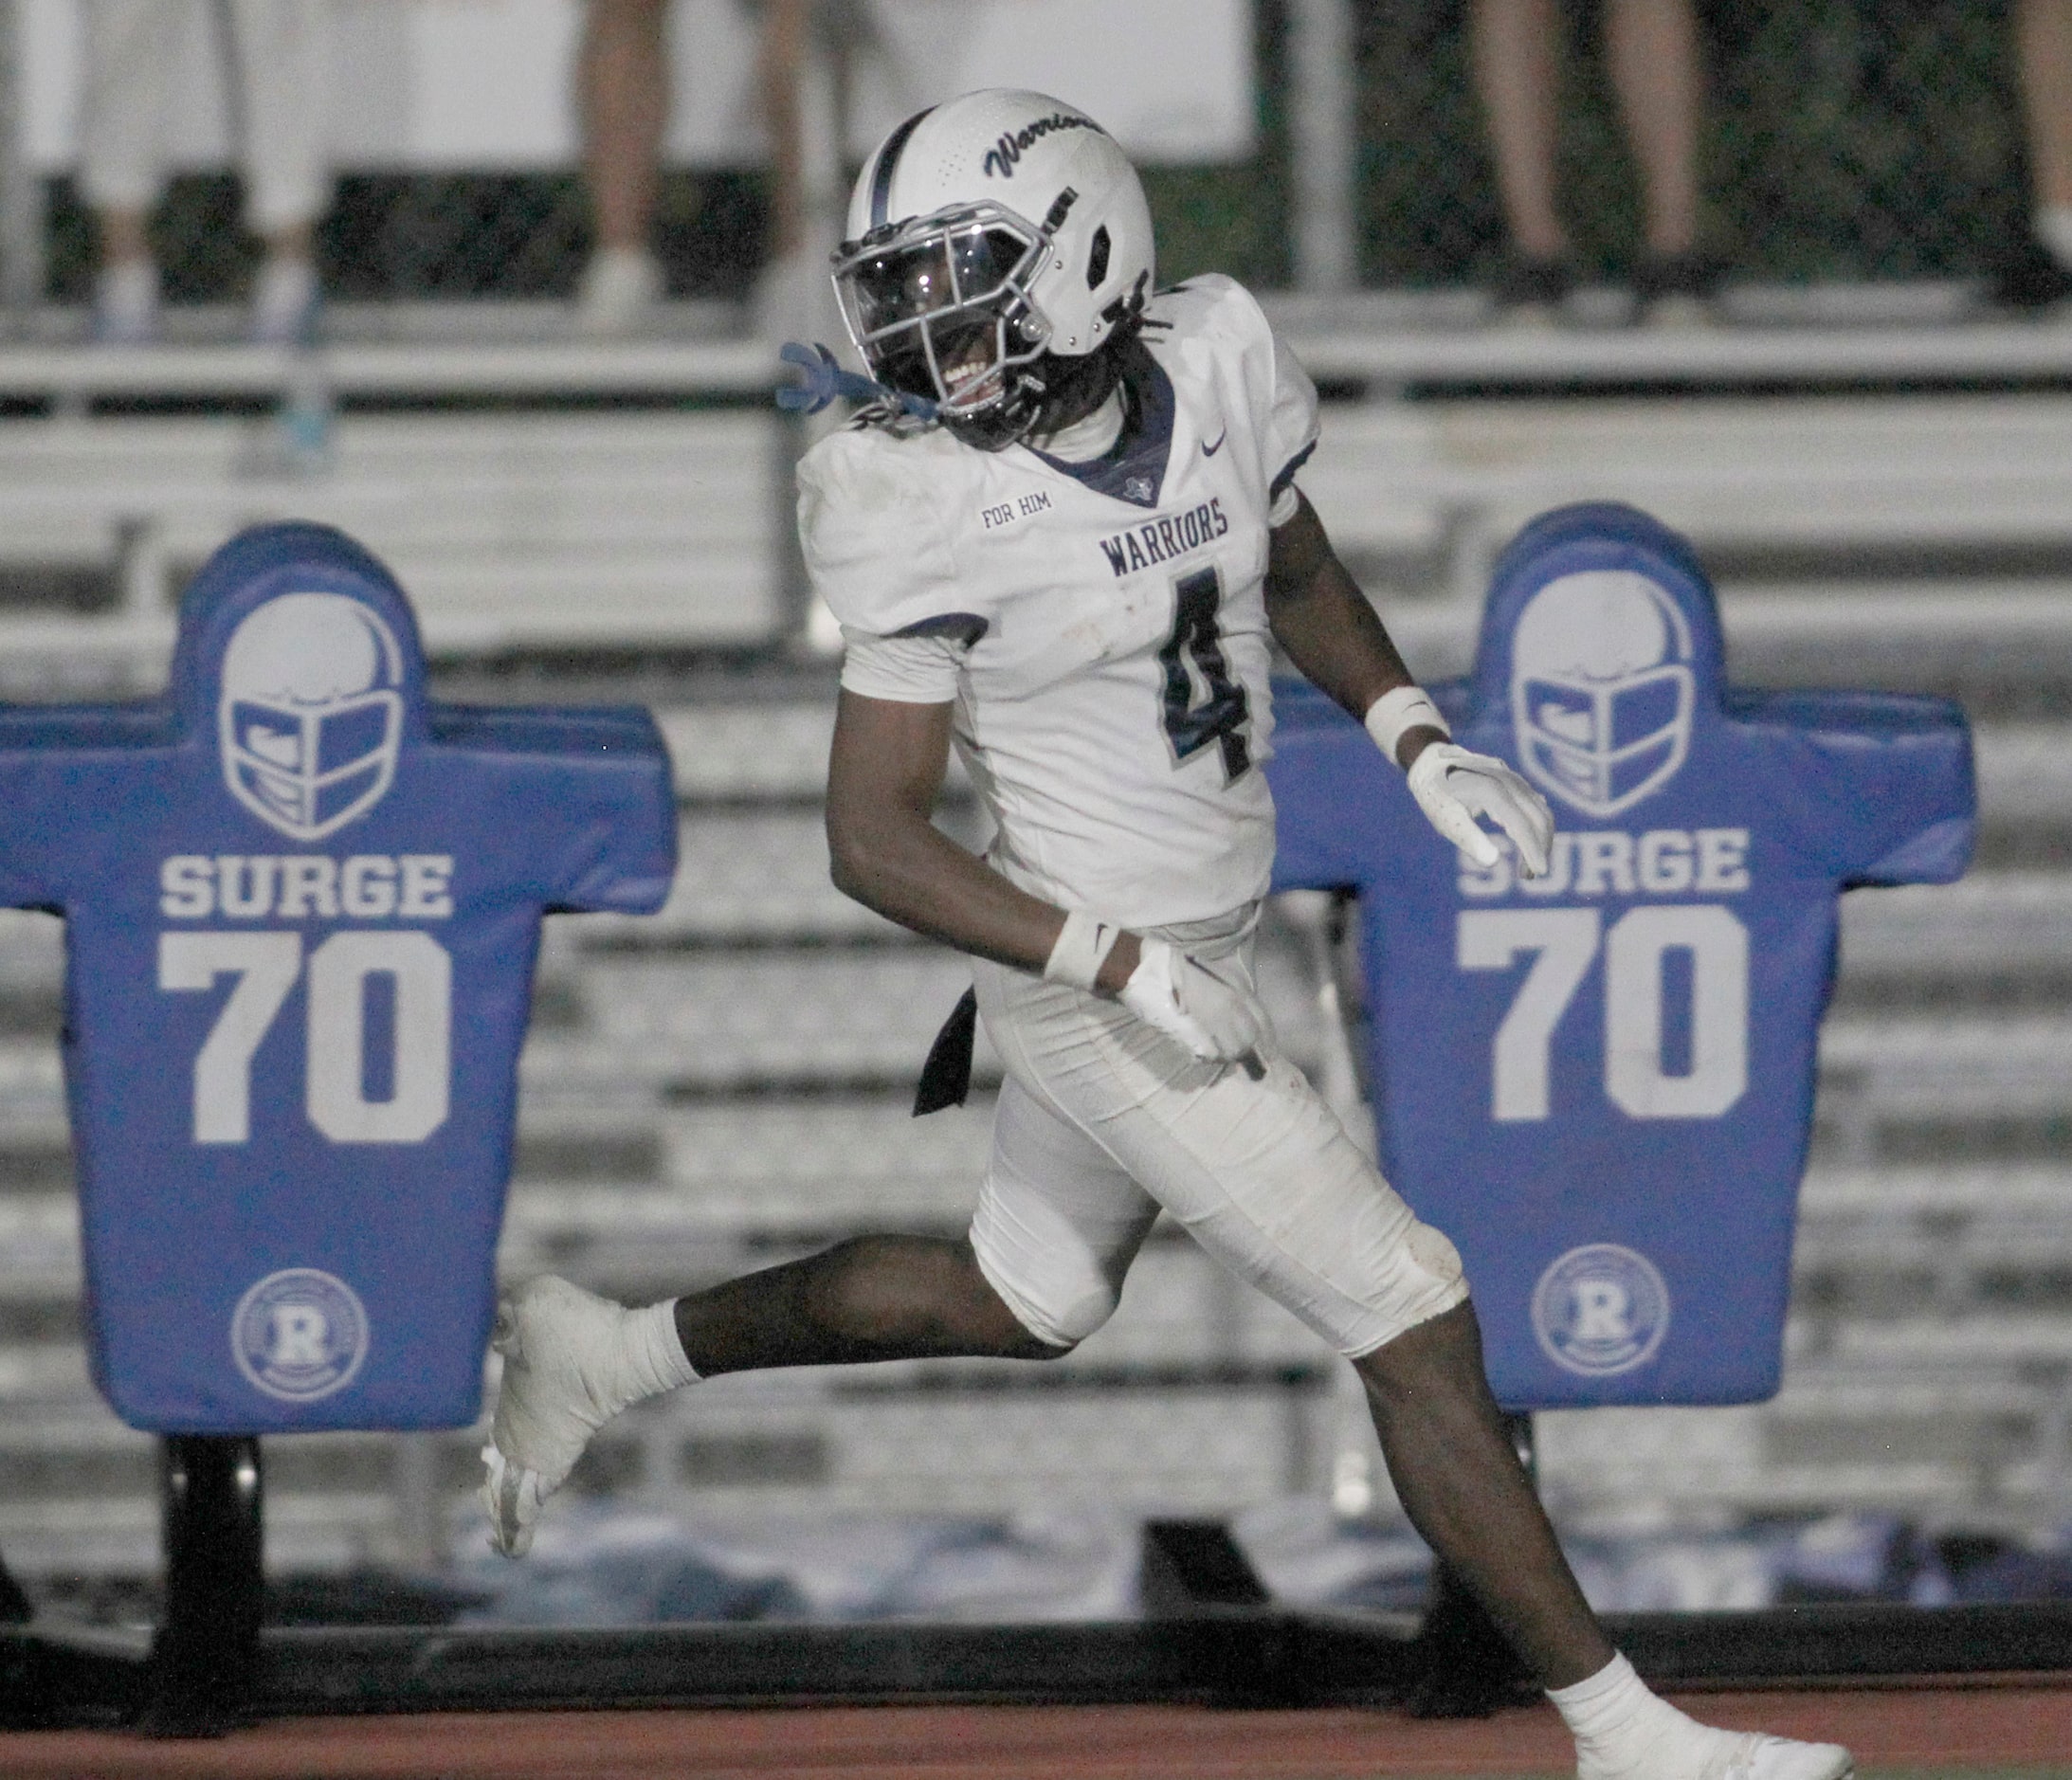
column 1101, row 626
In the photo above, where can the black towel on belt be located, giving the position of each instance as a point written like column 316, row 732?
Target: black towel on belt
column 946, row 1077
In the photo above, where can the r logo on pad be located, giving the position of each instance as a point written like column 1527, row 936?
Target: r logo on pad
column 1601, row 1309
column 299, row 1334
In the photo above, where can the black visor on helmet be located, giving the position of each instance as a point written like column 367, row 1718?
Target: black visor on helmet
column 940, row 307
column 906, row 281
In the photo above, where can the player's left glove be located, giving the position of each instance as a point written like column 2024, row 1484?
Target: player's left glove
column 1190, row 1001
column 1453, row 787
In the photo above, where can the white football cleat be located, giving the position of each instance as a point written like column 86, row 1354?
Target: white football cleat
column 1691, row 1751
column 1751, row 1756
column 564, row 1377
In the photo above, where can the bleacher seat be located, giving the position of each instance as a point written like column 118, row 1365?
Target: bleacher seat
column 568, row 531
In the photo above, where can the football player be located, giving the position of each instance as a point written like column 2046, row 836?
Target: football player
column 1064, row 545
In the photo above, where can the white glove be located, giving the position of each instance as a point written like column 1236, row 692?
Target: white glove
column 1191, row 1003
column 1453, row 787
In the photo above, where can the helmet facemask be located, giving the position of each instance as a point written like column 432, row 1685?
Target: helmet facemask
column 1607, row 744
column 940, row 307
column 313, row 770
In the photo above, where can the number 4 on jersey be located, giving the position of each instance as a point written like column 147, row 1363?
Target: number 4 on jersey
column 1195, row 650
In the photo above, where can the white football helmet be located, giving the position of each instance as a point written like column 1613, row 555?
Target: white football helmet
column 311, row 714
column 990, row 238
column 1602, row 688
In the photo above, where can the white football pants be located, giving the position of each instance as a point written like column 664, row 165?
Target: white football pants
column 277, row 78
column 1103, row 1120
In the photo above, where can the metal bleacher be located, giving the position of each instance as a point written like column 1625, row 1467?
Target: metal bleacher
column 725, row 1084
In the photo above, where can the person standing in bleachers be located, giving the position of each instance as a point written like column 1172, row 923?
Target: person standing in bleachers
column 1652, row 50
column 2036, row 272
column 623, row 99
column 622, row 96
column 278, row 76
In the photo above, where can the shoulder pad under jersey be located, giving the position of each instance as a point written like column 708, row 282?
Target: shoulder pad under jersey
column 875, row 525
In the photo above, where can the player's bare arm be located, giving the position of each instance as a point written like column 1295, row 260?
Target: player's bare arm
column 1330, row 631
column 1323, row 621
column 884, row 778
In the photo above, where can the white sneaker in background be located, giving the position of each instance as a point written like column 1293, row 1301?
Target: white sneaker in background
column 125, row 304
column 571, row 1361
column 618, row 293
column 285, row 299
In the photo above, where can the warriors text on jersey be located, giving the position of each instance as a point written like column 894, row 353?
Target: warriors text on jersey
column 1101, row 626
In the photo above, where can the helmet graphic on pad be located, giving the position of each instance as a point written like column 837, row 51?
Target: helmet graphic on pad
column 1602, row 689
column 990, row 237
column 310, row 713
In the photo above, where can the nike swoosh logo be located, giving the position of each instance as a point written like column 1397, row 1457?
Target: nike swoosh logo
column 1209, row 450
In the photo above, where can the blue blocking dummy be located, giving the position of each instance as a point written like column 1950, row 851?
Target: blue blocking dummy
column 1600, row 1082
column 301, row 906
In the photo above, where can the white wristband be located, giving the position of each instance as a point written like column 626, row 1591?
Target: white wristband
column 1393, row 712
column 1082, row 948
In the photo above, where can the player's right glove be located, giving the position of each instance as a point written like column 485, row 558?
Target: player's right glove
column 1453, row 787
column 1190, row 1001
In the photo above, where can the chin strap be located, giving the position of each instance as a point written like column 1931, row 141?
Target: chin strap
column 826, row 379
column 1103, row 366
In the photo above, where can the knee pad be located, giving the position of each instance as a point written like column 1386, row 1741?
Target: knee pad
column 1424, row 1279
column 1059, row 1296
column 1431, row 1252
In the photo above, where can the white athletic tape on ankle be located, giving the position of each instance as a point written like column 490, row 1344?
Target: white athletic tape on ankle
column 1606, row 1705
column 658, row 1357
column 1082, row 948
column 1406, row 708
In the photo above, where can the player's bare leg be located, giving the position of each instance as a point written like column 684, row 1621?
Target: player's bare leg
column 572, row 1361
column 873, row 1298
column 1464, row 1491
